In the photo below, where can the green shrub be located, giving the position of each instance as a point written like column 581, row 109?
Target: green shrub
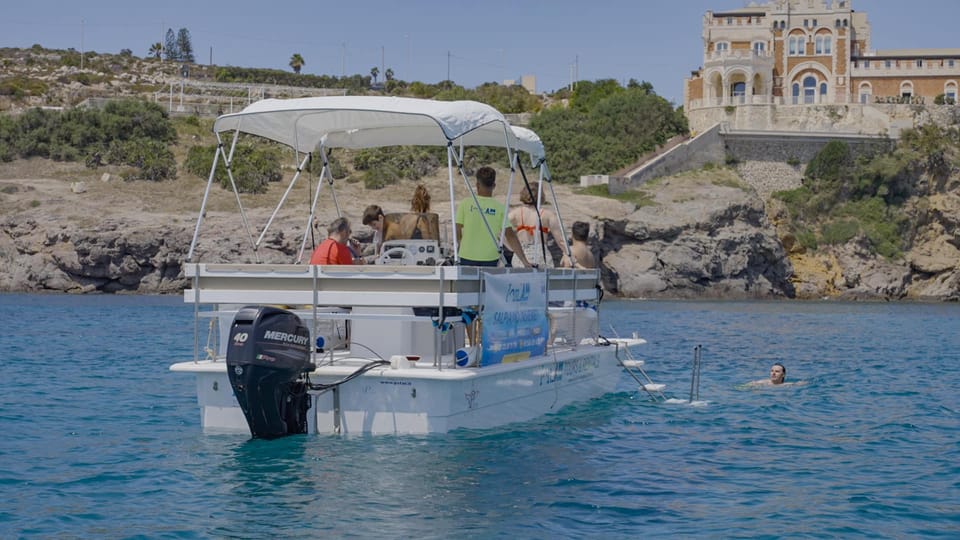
column 20, row 87
column 380, row 177
column 253, row 167
column 128, row 132
column 830, row 164
column 409, row 162
column 605, row 130
column 337, row 169
column 839, row 232
column 807, row 239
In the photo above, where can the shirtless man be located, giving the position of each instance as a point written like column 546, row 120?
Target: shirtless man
column 778, row 375
column 582, row 255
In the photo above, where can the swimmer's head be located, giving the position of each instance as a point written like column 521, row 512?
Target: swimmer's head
column 778, row 373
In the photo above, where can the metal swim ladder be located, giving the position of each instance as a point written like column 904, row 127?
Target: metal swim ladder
column 635, row 368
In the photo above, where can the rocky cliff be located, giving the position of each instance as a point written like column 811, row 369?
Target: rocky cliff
column 705, row 234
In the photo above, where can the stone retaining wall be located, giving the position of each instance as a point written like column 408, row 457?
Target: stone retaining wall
column 706, row 147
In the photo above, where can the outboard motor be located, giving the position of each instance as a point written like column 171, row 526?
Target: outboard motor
column 269, row 350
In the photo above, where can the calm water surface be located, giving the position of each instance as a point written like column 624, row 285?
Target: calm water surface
column 101, row 440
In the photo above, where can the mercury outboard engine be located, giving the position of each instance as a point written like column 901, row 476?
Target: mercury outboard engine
column 267, row 354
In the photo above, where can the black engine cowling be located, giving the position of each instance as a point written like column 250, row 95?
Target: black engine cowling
column 268, row 352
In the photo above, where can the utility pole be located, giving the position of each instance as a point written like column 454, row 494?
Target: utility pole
column 448, row 65
column 576, row 69
column 211, row 55
column 343, row 59
column 383, row 64
column 81, row 43
column 163, row 40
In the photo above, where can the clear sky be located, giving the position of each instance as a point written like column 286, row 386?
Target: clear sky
column 487, row 40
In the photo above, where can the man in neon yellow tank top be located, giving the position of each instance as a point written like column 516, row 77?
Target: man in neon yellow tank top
column 477, row 248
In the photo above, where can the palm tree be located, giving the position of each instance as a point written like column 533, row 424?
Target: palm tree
column 297, row 62
column 388, row 74
column 156, row 50
column 373, row 73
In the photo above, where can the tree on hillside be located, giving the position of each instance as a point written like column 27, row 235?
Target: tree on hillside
column 184, row 46
column 297, row 62
column 170, row 49
column 644, row 85
column 605, row 128
column 374, row 71
column 156, row 50
column 388, row 74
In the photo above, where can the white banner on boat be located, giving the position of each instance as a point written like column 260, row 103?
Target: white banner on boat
column 515, row 325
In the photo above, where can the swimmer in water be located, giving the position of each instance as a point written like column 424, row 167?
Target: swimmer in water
column 778, row 376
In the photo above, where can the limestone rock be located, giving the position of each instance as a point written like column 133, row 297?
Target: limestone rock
column 701, row 239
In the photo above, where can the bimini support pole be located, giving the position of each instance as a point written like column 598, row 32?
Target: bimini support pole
column 540, row 238
column 313, row 204
column 453, row 203
column 476, row 201
column 512, row 155
column 236, row 192
column 545, row 175
column 293, row 181
column 206, row 196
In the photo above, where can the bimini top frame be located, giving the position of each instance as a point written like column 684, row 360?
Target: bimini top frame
column 355, row 122
column 372, row 121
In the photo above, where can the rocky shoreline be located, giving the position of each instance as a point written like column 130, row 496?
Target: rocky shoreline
column 708, row 234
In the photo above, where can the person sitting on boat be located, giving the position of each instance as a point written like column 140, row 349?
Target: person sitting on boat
column 336, row 249
column 477, row 248
column 420, row 203
column 417, row 224
column 582, row 255
column 373, row 218
column 529, row 226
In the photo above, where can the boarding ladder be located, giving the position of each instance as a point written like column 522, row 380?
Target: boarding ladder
column 634, row 367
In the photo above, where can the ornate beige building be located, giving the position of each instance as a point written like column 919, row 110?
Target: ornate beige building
column 789, row 53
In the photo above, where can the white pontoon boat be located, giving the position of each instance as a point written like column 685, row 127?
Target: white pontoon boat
column 382, row 348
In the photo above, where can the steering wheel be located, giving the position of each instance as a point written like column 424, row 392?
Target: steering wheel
column 389, row 256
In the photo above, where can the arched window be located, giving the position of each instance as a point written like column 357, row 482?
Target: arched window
column 865, row 92
column 783, row 25
column 906, row 89
column 837, row 24
column 823, row 92
column 796, row 45
column 796, row 93
column 950, row 93
column 738, row 90
column 809, row 89
column 824, row 44
column 844, row 23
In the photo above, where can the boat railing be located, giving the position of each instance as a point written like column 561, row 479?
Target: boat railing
column 375, row 298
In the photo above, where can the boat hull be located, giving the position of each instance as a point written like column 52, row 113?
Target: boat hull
column 424, row 399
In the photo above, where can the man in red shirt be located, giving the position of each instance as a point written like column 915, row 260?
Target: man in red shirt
column 334, row 249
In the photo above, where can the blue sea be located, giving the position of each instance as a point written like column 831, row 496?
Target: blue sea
column 100, row 440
